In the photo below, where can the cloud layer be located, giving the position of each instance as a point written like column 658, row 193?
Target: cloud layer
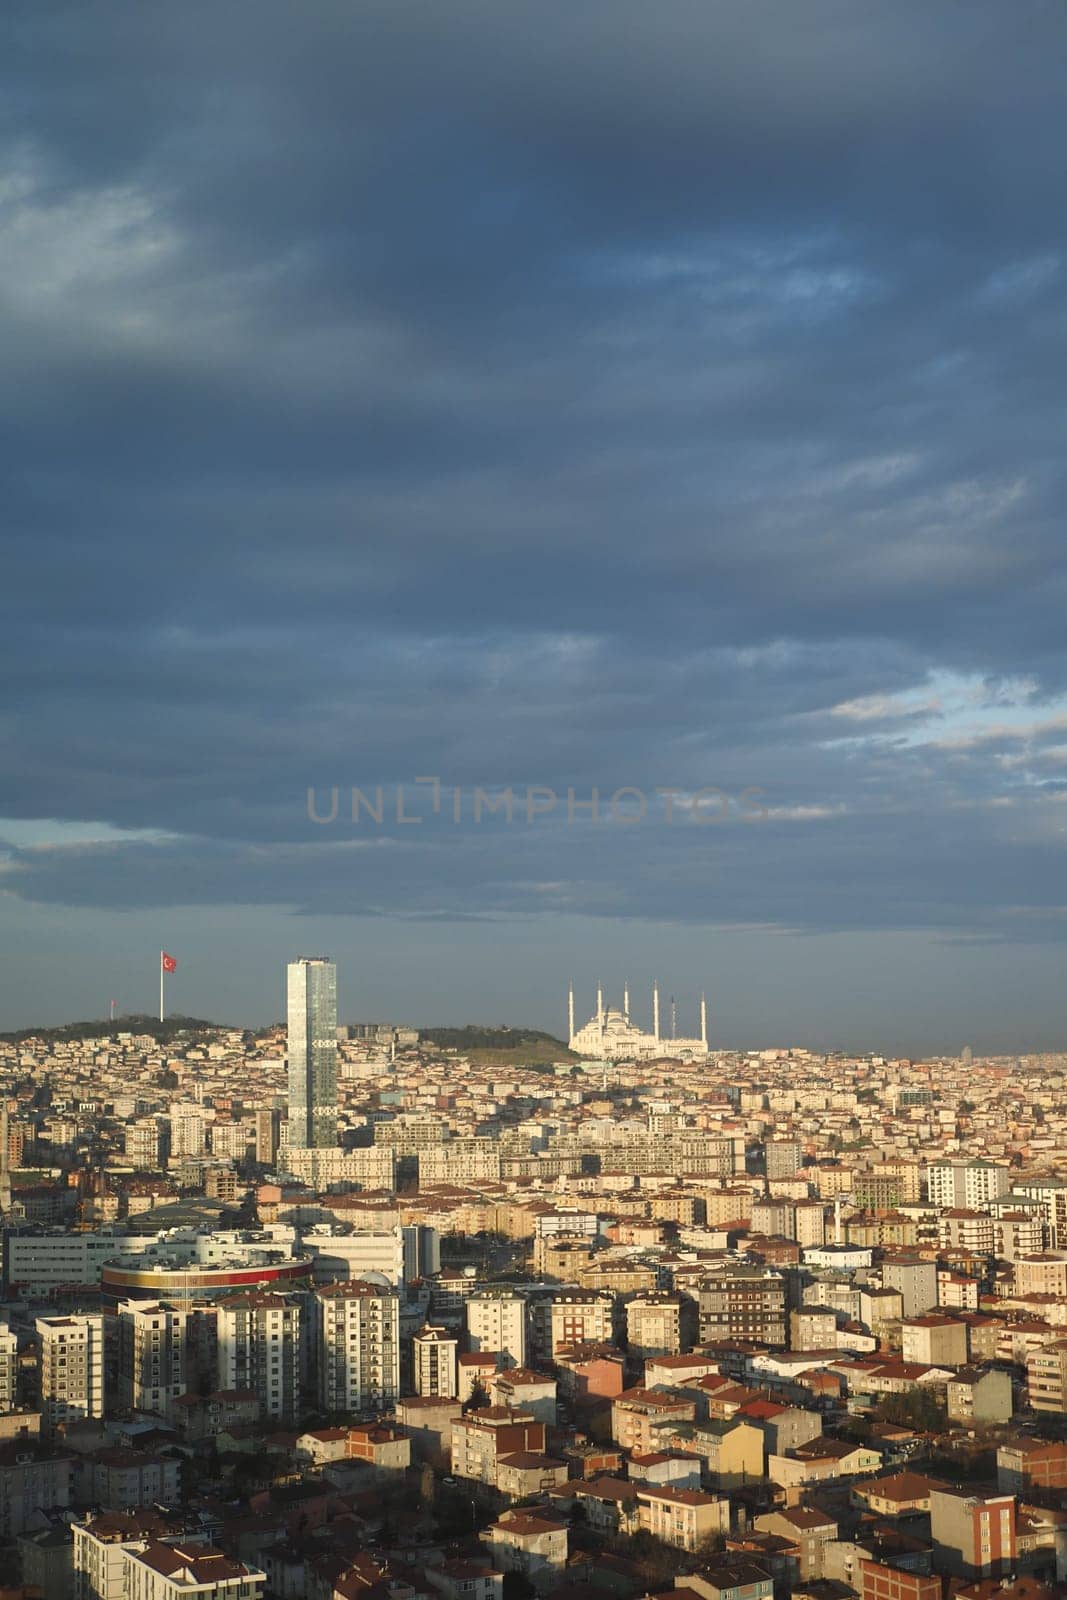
column 541, row 395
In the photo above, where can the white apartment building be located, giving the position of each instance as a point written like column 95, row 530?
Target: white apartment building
column 151, row 1355
column 473, row 1160
column 1042, row 1273
column 231, row 1139
column 187, row 1134
column 99, row 1542
column 435, row 1352
column 72, row 1368
column 1051, row 1196
column 259, row 1349
column 357, row 1346
column 143, row 1144
column 496, row 1321
column 373, row 1168
column 1018, row 1233
column 968, row 1184
column 188, row 1572
column 809, row 1223
column 961, row 1229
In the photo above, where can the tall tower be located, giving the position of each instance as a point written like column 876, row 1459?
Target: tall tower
column 704, row 1020
column 312, row 997
column 655, row 1010
column 570, row 1012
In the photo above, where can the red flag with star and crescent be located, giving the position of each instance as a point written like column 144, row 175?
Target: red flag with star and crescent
column 168, row 963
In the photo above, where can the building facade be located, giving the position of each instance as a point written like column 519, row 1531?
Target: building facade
column 72, row 1369
column 312, row 1036
column 259, row 1341
column 357, row 1347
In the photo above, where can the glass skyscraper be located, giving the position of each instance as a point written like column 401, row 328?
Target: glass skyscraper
column 312, row 1053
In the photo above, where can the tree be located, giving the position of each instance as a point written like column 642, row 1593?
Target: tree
column 922, row 1408
column 427, row 1487
column 478, row 1397
column 659, row 1563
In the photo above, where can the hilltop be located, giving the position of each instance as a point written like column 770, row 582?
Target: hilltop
column 165, row 1032
column 500, row 1045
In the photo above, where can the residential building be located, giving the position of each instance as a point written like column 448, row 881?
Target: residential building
column 1046, row 1374
column 980, row 1397
column 481, row 1437
column 496, row 1321
column 434, row 1360
column 357, row 1346
column 915, row 1280
column 973, row 1534
column 880, row 1581
column 782, row 1157
column 743, row 1303
column 99, row 1542
column 32, row 1476
column 972, row 1184
column 259, row 1345
column 730, row 1577
column 582, row 1317
column 522, row 1390
column 528, row 1541
column 72, row 1368
column 1025, row 1463
column 685, row 1518
column 151, row 1355
column 188, row 1572
column 659, row 1323
column 934, row 1341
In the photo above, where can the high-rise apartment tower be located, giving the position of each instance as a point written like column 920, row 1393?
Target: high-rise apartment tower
column 312, row 1016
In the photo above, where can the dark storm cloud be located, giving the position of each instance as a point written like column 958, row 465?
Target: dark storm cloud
column 538, row 395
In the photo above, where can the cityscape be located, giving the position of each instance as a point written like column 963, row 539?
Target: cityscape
column 533, row 800
column 331, row 1307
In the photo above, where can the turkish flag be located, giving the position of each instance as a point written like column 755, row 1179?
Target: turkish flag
column 168, row 962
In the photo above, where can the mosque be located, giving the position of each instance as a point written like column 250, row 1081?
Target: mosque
column 609, row 1035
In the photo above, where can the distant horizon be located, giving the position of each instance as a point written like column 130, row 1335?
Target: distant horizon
column 107, row 1025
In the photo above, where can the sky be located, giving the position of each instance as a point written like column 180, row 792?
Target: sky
column 537, row 398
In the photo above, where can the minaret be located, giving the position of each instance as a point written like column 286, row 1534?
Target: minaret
column 626, row 1001
column 655, row 1011
column 703, row 1020
column 599, row 1004
column 570, row 1011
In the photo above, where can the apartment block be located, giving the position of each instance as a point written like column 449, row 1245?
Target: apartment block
column 743, row 1304
column 434, row 1360
column 973, row 1534
column 259, row 1344
column 72, row 1368
column 357, row 1346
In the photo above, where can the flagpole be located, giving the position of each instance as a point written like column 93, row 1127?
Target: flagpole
column 161, row 986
